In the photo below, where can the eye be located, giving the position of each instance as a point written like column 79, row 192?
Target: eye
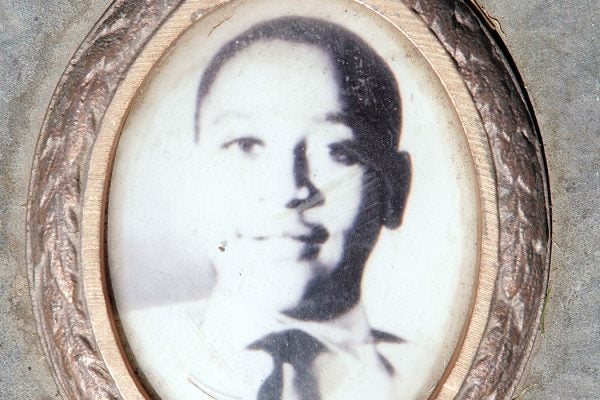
column 342, row 154
column 245, row 144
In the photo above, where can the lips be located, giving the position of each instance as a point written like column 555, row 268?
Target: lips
column 312, row 242
column 317, row 235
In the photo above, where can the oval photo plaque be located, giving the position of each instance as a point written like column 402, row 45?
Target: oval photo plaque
column 297, row 200
column 278, row 175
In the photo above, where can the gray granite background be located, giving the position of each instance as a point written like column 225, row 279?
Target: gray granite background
column 37, row 40
column 555, row 46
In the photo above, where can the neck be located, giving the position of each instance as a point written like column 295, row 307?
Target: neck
column 232, row 323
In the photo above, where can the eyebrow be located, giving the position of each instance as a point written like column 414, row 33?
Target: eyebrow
column 227, row 114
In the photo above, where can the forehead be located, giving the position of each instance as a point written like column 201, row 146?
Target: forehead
column 275, row 78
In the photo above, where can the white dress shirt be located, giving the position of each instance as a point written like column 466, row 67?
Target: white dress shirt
column 352, row 368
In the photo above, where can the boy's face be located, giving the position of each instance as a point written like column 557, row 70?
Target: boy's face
column 284, row 187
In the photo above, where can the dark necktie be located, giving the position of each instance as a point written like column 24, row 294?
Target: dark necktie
column 297, row 348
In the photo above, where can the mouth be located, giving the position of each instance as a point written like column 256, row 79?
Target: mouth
column 312, row 242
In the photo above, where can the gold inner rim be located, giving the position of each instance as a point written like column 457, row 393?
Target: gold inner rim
column 96, row 193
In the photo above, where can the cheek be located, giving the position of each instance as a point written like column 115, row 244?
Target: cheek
column 341, row 186
column 225, row 190
column 342, row 200
column 246, row 193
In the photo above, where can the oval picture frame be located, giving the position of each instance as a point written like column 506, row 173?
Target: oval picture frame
column 69, row 187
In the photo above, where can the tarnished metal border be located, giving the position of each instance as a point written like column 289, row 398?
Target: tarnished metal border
column 523, row 196
column 60, row 169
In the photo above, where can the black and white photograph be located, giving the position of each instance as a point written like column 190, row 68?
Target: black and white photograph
column 293, row 211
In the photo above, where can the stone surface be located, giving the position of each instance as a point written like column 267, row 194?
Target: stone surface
column 37, row 39
column 554, row 45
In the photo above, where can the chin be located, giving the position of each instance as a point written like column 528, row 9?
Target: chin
column 329, row 256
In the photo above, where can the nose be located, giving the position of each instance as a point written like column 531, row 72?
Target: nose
column 307, row 195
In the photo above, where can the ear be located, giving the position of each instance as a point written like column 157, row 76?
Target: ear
column 396, row 180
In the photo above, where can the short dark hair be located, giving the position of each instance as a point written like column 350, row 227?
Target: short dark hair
column 368, row 91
